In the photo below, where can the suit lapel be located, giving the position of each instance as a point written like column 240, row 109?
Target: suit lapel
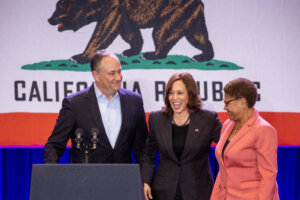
column 226, row 132
column 124, row 103
column 195, row 128
column 166, row 134
column 92, row 104
column 243, row 131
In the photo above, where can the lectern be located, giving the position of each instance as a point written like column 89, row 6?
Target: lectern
column 86, row 182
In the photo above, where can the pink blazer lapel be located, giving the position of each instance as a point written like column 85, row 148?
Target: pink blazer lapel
column 224, row 135
column 243, row 131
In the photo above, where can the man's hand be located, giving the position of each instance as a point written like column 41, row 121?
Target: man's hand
column 147, row 191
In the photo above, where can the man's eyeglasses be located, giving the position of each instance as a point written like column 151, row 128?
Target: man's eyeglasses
column 228, row 102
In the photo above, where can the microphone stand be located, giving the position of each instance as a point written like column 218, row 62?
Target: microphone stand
column 85, row 147
column 86, row 154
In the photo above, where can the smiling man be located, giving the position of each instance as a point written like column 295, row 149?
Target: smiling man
column 117, row 113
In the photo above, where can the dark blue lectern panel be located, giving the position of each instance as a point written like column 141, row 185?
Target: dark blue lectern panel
column 86, row 181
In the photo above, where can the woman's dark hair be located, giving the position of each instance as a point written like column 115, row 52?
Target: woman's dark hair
column 194, row 102
column 242, row 87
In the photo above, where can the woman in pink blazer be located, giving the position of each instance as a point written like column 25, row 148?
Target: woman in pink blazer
column 247, row 150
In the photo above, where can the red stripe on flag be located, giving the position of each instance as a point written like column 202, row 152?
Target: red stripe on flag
column 33, row 129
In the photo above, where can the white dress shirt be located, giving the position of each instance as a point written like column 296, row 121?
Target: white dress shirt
column 111, row 114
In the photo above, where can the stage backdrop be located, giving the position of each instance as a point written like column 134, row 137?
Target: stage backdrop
column 257, row 40
column 46, row 45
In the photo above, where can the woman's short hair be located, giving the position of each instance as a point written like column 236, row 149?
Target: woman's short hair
column 194, row 102
column 242, row 87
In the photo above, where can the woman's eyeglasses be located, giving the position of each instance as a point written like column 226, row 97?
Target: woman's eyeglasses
column 228, row 102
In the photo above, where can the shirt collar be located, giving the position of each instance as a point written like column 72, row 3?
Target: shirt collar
column 99, row 94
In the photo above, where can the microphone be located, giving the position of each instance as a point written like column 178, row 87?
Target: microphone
column 94, row 137
column 78, row 137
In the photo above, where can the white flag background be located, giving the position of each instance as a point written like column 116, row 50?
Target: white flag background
column 260, row 36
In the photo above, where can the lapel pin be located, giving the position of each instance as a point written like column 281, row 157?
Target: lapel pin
column 196, row 130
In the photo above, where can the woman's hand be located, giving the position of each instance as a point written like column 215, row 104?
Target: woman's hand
column 147, row 191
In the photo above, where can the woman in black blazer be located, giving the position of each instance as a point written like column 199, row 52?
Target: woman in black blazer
column 182, row 134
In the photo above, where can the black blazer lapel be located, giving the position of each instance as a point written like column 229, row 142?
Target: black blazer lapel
column 92, row 104
column 195, row 128
column 124, row 104
column 166, row 134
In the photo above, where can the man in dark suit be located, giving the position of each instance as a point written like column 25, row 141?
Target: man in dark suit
column 117, row 113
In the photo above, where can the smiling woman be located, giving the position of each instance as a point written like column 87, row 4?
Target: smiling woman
column 178, row 98
column 247, row 150
column 182, row 134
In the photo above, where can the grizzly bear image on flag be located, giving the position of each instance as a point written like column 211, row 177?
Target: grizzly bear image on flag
column 170, row 20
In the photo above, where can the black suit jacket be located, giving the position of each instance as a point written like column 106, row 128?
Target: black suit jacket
column 81, row 110
column 193, row 170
